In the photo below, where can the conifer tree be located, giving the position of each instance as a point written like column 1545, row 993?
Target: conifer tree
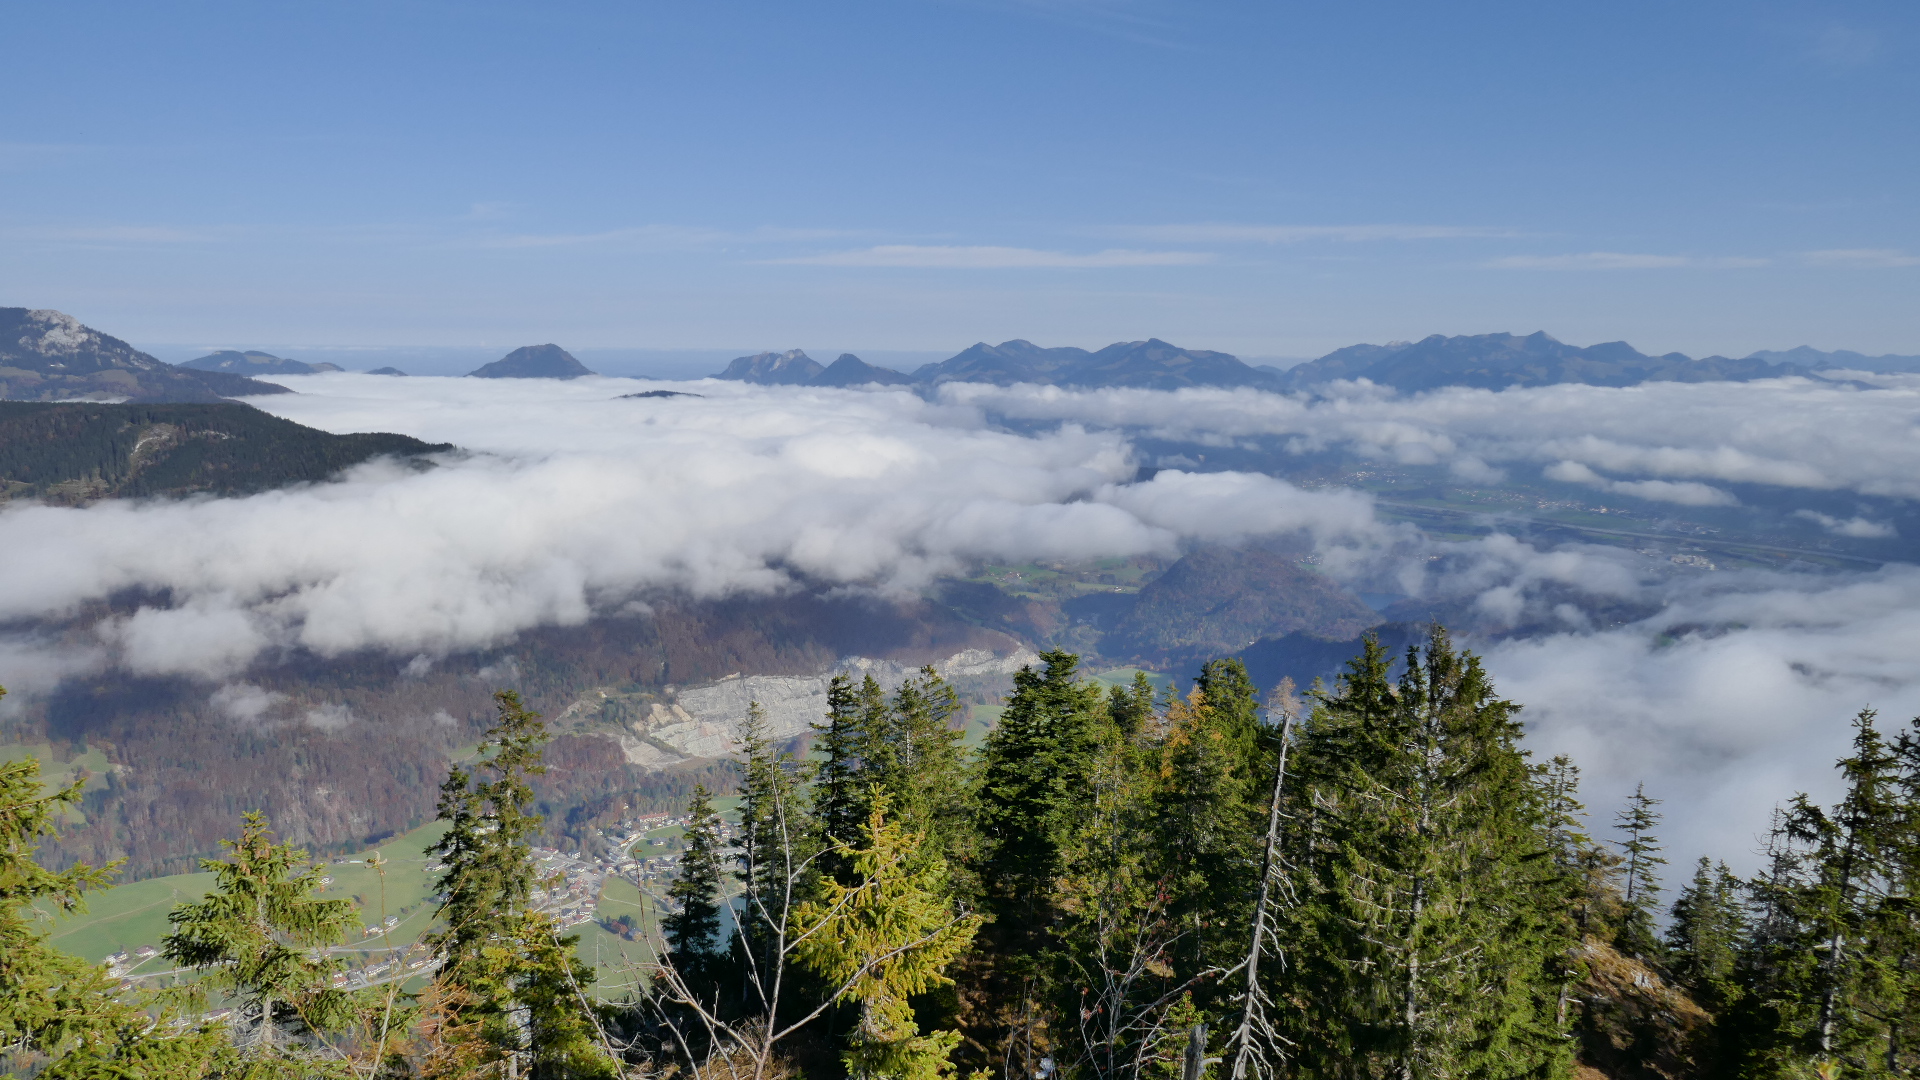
column 692, row 928
column 1209, row 810
column 1112, row 930
column 1131, row 707
column 927, row 769
column 838, row 797
column 509, row 984
column 885, row 938
column 1578, row 879
column 260, row 936
column 58, row 1013
column 1704, row 935
column 1640, row 881
column 1035, row 790
column 1033, row 778
column 1829, row 952
column 1428, row 936
column 772, row 859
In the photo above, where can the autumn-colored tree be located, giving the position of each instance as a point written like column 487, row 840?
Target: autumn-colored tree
column 884, row 938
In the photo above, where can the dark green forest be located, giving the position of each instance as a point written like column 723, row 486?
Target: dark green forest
column 1368, row 880
column 74, row 453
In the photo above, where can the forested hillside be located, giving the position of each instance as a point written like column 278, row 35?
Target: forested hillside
column 342, row 749
column 75, row 453
column 1377, row 881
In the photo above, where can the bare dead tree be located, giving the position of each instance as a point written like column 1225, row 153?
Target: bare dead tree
column 1256, row 1044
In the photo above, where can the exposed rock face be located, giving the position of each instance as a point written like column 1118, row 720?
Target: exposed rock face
column 790, row 368
column 50, row 356
column 704, row 720
column 533, row 362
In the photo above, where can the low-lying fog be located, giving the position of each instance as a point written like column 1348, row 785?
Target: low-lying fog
column 571, row 500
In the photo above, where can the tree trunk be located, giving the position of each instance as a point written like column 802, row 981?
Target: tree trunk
column 1196, row 1063
column 1244, row 1035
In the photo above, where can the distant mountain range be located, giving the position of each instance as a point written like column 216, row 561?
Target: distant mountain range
column 48, row 356
column 1498, row 361
column 1152, row 364
column 256, row 363
column 1490, row 361
column 1814, row 360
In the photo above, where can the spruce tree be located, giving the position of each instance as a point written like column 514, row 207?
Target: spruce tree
column 260, row 936
column 1429, row 933
column 510, row 988
column 1036, row 788
column 771, row 859
column 838, row 796
column 1833, row 942
column 1639, row 878
column 1704, row 935
column 1034, row 771
column 59, row 1014
column 692, row 927
column 928, row 766
column 1112, row 931
column 1209, row 807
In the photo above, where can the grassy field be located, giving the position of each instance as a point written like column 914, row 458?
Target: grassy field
column 56, row 774
column 126, row 917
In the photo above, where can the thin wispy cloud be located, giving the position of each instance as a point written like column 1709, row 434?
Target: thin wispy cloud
column 1871, row 258
column 1224, row 233
column 125, row 234
column 1618, row 260
column 665, row 236
column 995, row 258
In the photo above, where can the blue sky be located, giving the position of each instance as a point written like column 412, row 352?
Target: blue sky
column 1272, row 179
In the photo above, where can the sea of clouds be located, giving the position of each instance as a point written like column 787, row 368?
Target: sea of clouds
column 567, row 501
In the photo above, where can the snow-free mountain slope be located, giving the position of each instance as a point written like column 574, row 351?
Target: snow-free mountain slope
column 790, row 368
column 47, row 355
column 251, row 362
column 533, row 362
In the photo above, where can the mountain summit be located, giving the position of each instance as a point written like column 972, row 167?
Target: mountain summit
column 50, row 356
column 1147, row 365
column 256, row 363
column 1151, row 364
column 533, row 362
column 790, row 368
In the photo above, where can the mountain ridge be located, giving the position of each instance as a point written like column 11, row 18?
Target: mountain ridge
column 48, row 355
column 253, row 362
column 1487, row 361
column 75, row 453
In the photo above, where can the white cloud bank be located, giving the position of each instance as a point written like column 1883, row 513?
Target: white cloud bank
column 1791, row 433
column 577, row 501
column 1724, row 692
